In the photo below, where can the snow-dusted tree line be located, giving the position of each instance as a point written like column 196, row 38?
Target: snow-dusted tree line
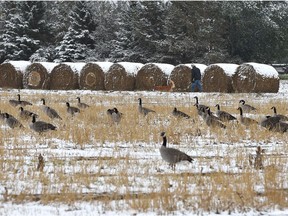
column 145, row 31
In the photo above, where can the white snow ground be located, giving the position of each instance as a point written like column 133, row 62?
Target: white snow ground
column 145, row 155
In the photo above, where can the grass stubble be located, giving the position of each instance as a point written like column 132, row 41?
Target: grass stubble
column 124, row 170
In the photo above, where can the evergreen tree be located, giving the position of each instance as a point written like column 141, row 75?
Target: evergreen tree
column 78, row 40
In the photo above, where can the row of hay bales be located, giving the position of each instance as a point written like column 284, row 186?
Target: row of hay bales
column 128, row 76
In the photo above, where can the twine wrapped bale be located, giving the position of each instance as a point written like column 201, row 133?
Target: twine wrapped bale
column 257, row 78
column 92, row 75
column 11, row 74
column 218, row 78
column 65, row 76
column 153, row 74
column 181, row 75
column 37, row 76
column 121, row 76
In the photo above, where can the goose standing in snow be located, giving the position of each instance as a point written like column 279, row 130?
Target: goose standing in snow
column 282, row 117
column 81, row 105
column 224, row 116
column 41, row 126
column 143, row 110
column 177, row 113
column 19, row 102
column 72, row 110
column 50, row 112
column 245, row 120
column 172, row 155
column 11, row 121
column 246, row 107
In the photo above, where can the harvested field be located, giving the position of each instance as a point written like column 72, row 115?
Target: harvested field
column 95, row 167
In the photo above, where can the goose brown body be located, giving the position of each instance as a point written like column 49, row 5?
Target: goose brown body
column 143, row 110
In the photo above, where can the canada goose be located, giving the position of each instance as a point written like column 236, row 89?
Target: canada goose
column 224, row 116
column 199, row 106
column 41, row 126
column 72, row 110
column 12, row 122
column 246, row 107
column 50, row 112
column 178, row 113
column 144, row 111
column 19, row 102
column 273, row 123
column 210, row 121
column 245, row 120
column 81, row 105
column 282, row 117
column 26, row 114
column 172, row 155
column 116, row 115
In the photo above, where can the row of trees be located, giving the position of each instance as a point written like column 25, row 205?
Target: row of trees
column 145, row 31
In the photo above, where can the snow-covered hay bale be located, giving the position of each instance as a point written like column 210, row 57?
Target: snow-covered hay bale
column 65, row 76
column 153, row 74
column 218, row 78
column 121, row 76
column 92, row 75
column 36, row 75
column 181, row 75
column 11, row 74
column 255, row 77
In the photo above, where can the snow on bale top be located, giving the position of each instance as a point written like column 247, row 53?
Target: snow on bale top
column 153, row 74
column 256, row 78
column 103, row 65
column 264, row 69
column 218, row 77
column 131, row 67
column 229, row 69
column 166, row 68
column 202, row 67
column 75, row 66
column 20, row 65
column 48, row 65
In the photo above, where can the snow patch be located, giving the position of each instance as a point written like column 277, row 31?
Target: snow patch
column 131, row 67
column 48, row 65
column 103, row 65
column 76, row 67
column 229, row 69
column 166, row 68
column 265, row 70
column 20, row 65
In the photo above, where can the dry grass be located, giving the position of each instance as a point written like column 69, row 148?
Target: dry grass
column 89, row 158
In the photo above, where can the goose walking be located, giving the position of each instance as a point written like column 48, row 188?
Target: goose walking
column 143, row 110
column 223, row 115
column 41, row 126
column 212, row 122
column 81, row 105
column 246, row 107
column 177, row 113
column 19, row 102
column 50, row 112
column 282, row 117
column 72, row 110
column 12, row 122
column 172, row 155
column 245, row 120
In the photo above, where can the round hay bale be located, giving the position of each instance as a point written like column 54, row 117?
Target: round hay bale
column 92, row 75
column 121, row 76
column 153, row 74
column 218, row 78
column 11, row 74
column 181, row 75
column 65, row 76
column 36, row 75
column 257, row 78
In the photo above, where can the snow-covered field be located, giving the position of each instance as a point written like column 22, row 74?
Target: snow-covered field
column 95, row 167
